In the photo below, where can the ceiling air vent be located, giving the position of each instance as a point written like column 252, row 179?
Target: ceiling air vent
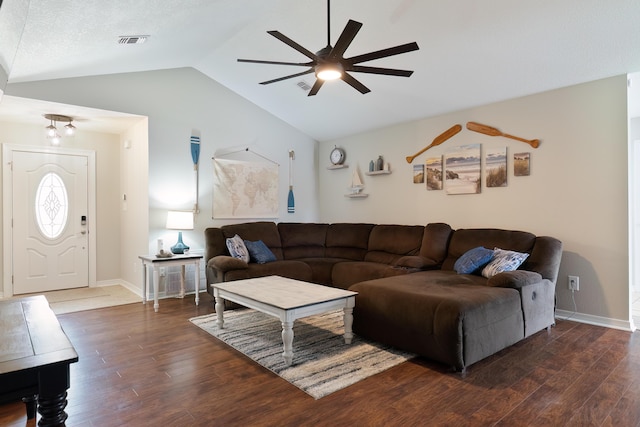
column 132, row 39
column 304, row 85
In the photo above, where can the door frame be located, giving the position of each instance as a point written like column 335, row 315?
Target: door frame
column 7, row 207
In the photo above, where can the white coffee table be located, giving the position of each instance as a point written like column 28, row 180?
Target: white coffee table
column 288, row 300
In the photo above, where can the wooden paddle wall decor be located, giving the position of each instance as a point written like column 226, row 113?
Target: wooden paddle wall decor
column 437, row 140
column 491, row 131
column 473, row 126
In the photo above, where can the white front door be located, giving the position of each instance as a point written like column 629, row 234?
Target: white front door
column 50, row 245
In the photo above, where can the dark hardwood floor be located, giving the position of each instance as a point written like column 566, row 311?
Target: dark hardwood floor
column 140, row 368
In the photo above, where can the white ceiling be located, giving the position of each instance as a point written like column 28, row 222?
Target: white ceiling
column 472, row 52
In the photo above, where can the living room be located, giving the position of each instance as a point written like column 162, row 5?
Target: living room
column 578, row 189
column 582, row 118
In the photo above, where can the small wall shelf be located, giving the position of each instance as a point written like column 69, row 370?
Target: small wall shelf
column 382, row 172
column 356, row 196
column 337, row 167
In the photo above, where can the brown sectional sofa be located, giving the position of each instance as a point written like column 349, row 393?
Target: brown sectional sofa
column 409, row 294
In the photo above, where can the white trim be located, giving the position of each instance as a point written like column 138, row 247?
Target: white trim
column 589, row 319
column 7, row 200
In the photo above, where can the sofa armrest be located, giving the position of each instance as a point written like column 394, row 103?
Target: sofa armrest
column 515, row 279
column 416, row 261
column 227, row 263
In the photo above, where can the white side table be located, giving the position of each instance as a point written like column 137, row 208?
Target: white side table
column 155, row 262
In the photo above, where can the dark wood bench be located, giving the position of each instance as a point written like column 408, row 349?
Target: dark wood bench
column 35, row 355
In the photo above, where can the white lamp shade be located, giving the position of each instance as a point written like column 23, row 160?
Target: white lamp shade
column 180, row 220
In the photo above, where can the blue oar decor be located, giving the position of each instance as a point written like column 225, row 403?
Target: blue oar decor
column 291, row 207
column 195, row 155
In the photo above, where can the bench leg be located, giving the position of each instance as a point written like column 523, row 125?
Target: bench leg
column 31, row 403
column 52, row 397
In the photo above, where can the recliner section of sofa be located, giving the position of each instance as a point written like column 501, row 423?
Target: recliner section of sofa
column 459, row 319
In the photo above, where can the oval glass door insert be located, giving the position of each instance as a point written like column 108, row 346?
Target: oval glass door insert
column 52, row 205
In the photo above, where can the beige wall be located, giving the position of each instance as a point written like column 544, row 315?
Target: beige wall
column 107, row 149
column 577, row 190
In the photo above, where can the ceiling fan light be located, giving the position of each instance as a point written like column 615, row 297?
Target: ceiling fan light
column 55, row 140
column 329, row 71
column 70, row 129
column 51, row 130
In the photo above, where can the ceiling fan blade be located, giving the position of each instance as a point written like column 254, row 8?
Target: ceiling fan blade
column 316, row 87
column 396, row 50
column 258, row 61
column 279, row 79
column 345, row 39
column 291, row 43
column 378, row 70
column 349, row 79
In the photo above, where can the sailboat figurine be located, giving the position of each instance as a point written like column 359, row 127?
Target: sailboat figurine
column 356, row 186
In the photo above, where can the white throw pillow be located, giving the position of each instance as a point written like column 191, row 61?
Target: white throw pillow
column 237, row 249
column 503, row 261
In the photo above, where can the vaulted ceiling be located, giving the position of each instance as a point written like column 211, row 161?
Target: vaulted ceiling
column 472, row 52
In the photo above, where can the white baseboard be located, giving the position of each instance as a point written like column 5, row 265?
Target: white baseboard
column 625, row 325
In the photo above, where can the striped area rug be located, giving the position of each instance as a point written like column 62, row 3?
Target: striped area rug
column 322, row 362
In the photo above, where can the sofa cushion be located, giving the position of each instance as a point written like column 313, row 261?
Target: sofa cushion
column 514, row 279
column 348, row 241
column 415, row 262
column 259, row 252
column 321, row 269
column 439, row 314
column 347, row 273
column 435, row 241
column 237, row 248
column 504, row 261
column 302, row 240
column 388, row 243
column 473, row 260
column 224, row 263
column 291, row 269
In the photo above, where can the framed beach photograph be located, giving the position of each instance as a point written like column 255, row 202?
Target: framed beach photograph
column 521, row 164
column 434, row 173
column 495, row 168
column 418, row 174
column 462, row 170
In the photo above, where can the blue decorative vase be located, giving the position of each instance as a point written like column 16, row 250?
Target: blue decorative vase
column 179, row 247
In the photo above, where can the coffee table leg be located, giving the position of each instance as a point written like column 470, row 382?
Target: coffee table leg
column 348, row 323
column 287, row 340
column 220, row 311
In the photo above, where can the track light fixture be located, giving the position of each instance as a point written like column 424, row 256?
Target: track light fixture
column 52, row 130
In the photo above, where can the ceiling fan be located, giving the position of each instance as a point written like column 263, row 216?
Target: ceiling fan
column 329, row 62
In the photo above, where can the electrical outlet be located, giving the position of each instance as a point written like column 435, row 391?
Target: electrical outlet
column 574, row 283
column 163, row 272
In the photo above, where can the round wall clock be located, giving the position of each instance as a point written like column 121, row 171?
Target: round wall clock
column 337, row 156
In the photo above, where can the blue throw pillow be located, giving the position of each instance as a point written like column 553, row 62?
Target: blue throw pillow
column 259, row 252
column 473, row 260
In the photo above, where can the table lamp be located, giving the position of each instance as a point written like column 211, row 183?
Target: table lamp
column 179, row 220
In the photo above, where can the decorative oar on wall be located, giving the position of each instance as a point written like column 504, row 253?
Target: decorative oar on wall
column 195, row 155
column 291, row 205
column 491, row 131
column 437, row 140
